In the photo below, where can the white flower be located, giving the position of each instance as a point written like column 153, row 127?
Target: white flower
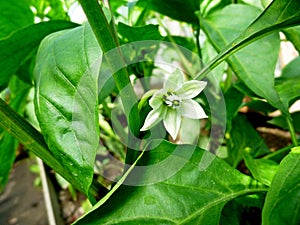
column 174, row 101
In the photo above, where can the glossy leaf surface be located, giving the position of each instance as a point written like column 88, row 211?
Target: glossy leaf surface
column 66, row 76
column 282, row 205
column 195, row 194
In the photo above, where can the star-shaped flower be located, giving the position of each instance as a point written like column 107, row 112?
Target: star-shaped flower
column 173, row 101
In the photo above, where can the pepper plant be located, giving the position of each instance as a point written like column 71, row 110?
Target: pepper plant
column 166, row 106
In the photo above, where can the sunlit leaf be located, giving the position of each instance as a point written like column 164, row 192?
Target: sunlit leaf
column 66, row 76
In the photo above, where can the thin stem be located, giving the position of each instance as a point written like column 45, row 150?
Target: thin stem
column 107, row 41
column 292, row 131
column 278, row 152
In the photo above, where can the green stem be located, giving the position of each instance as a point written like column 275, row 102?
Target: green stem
column 107, row 41
column 24, row 132
column 292, row 131
column 278, row 152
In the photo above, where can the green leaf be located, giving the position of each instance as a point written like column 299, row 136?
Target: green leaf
column 278, row 15
column 66, row 74
column 289, row 78
column 28, row 39
column 8, row 146
column 250, row 63
column 14, row 14
column 293, row 35
column 195, row 194
column 262, row 170
column 282, row 205
column 174, row 9
column 233, row 101
column 140, row 33
column 243, row 136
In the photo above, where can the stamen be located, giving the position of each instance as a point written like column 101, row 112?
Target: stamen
column 172, row 100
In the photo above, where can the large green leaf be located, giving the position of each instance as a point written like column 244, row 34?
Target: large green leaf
column 195, row 194
column 278, row 15
column 66, row 76
column 250, row 64
column 14, row 14
column 282, row 205
column 15, row 49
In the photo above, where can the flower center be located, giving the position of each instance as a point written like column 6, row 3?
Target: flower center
column 172, row 100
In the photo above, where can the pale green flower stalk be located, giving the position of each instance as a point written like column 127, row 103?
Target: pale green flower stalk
column 173, row 101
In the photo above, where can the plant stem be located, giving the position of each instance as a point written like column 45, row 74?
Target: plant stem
column 292, row 131
column 107, row 41
column 278, row 152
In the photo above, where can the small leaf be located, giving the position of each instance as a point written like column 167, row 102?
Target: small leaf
column 282, row 205
column 13, row 55
column 262, row 170
column 66, row 76
column 174, row 8
column 195, row 194
column 289, row 78
column 140, row 33
column 293, row 35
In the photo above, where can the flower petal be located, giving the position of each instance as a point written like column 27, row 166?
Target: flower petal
column 191, row 109
column 172, row 122
column 191, row 89
column 174, row 81
column 157, row 99
column 153, row 118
